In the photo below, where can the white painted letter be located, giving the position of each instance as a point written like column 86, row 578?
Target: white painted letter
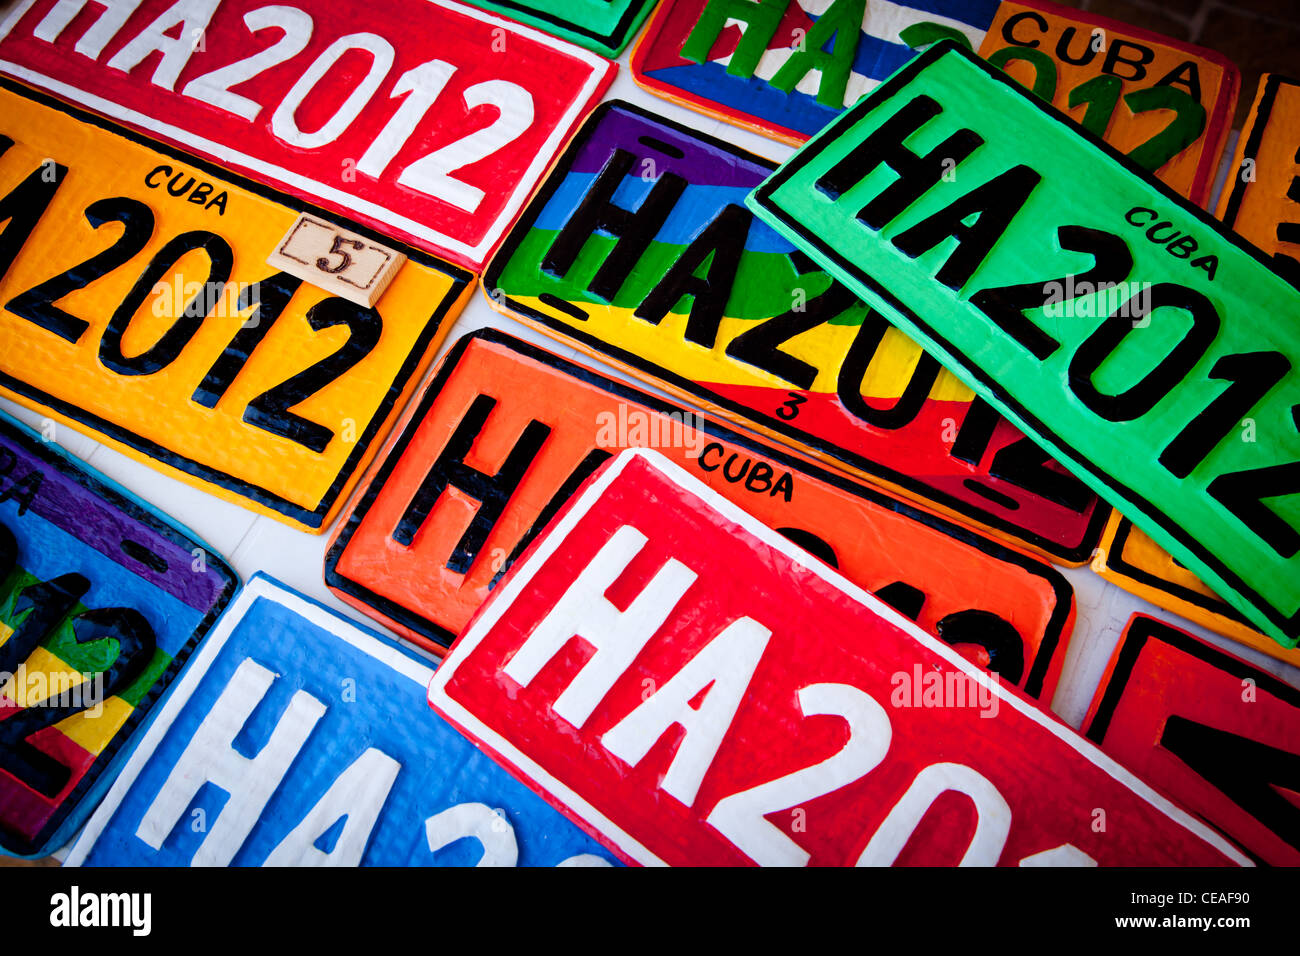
column 97, row 35
column 727, row 662
column 477, row 820
column 192, row 16
column 210, row 757
column 992, row 825
column 618, row 636
column 359, row 794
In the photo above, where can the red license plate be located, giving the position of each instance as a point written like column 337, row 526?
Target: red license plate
column 429, row 121
column 1217, row 735
column 506, row 433
column 694, row 689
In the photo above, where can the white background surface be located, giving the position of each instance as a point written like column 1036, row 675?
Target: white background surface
column 254, row 543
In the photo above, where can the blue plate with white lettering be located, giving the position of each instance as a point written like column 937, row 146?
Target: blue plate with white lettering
column 298, row 738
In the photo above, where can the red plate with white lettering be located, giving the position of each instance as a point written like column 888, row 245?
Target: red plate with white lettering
column 1217, row 735
column 694, row 689
column 430, row 121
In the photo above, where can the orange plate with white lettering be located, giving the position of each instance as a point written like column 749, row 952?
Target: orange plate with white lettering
column 136, row 304
column 1207, row 730
column 505, row 434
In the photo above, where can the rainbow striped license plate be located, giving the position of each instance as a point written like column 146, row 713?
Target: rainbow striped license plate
column 640, row 251
column 102, row 601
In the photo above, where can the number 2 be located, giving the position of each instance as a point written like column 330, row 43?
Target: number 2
column 422, row 85
column 741, row 817
column 214, row 87
column 270, row 410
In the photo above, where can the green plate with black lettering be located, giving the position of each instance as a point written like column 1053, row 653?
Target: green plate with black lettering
column 1144, row 345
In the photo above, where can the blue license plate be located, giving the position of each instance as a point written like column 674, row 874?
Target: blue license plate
column 299, row 738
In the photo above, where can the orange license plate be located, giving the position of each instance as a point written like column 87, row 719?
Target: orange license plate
column 1130, row 559
column 507, row 432
column 1165, row 104
column 1262, row 199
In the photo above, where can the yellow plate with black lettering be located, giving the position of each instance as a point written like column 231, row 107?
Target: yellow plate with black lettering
column 136, row 305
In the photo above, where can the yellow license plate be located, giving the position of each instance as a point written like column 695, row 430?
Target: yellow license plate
column 136, row 304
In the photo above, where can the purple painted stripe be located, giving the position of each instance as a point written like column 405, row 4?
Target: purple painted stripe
column 702, row 162
column 84, row 513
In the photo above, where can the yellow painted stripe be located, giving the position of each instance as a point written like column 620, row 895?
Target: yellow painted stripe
column 43, row 674
column 92, row 731
column 823, row 347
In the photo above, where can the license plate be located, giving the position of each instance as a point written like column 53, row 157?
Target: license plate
column 1130, row 559
column 1118, row 370
column 428, row 121
column 764, row 336
column 1256, row 205
column 102, row 602
column 662, row 666
column 1260, row 201
column 1206, row 729
column 782, row 70
column 1165, row 104
column 351, row 767
column 137, row 305
column 506, row 434
column 604, row 26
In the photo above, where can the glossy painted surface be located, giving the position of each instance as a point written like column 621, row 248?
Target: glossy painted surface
column 428, row 121
column 102, row 602
column 138, row 314
column 604, row 26
column 788, row 67
column 348, row 767
column 731, row 700
column 1130, row 559
column 679, row 283
column 1260, row 197
column 506, row 434
column 1256, row 203
column 1206, row 729
column 1120, row 371
column 1165, row 104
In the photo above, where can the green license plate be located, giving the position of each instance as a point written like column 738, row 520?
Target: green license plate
column 1142, row 343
